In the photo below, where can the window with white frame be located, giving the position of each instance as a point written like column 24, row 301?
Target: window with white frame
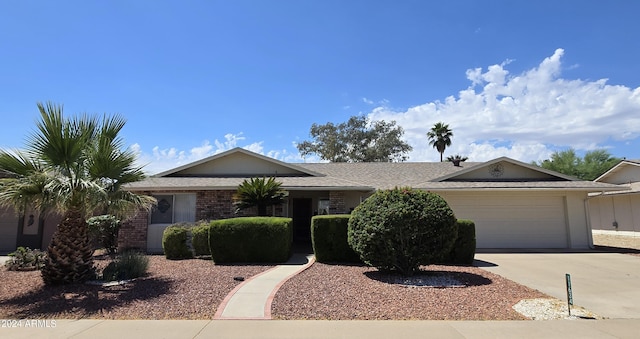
column 174, row 208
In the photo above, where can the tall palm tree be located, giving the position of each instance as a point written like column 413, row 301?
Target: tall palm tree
column 259, row 192
column 73, row 167
column 440, row 137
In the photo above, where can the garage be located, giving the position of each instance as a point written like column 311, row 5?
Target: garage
column 514, row 220
column 8, row 230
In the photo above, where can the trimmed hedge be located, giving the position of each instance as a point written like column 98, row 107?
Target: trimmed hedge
column 200, row 239
column 464, row 249
column 175, row 242
column 329, row 239
column 251, row 239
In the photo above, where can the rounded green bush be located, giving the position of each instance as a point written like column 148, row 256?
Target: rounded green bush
column 402, row 229
column 175, row 242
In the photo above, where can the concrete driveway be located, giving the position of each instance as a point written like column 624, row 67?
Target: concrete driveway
column 607, row 284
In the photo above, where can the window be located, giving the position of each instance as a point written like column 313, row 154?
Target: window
column 323, row 206
column 174, row 208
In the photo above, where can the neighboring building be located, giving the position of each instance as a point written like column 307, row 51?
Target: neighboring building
column 617, row 210
column 514, row 204
column 28, row 230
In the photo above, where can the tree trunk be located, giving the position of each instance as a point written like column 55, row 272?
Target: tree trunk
column 69, row 256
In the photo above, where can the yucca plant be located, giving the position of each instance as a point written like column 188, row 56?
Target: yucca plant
column 259, row 192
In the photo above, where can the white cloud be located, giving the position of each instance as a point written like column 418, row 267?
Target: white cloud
column 524, row 116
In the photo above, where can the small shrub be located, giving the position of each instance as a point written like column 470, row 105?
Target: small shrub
column 127, row 265
column 200, row 240
column 464, row 248
column 26, row 259
column 329, row 239
column 402, row 229
column 251, row 239
column 103, row 231
column 176, row 242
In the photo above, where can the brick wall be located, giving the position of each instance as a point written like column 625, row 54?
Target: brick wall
column 212, row 205
column 133, row 232
column 336, row 202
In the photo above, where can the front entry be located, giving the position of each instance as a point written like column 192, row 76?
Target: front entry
column 302, row 213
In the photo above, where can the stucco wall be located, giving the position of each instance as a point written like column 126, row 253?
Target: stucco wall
column 623, row 209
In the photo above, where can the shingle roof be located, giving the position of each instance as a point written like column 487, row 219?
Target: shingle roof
column 195, row 183
column 384, row 175
column 370, row 176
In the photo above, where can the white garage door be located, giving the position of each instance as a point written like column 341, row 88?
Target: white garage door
column 8, row 230
column 514, row 221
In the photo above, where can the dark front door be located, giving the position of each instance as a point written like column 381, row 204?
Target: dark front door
column 302, row 213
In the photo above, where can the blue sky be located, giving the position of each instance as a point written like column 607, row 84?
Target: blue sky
column 193, row 78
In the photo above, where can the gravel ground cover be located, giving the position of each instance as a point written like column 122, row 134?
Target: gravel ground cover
column 193, row 289
column 184, row 289
column 339, row 292
column 617, row 243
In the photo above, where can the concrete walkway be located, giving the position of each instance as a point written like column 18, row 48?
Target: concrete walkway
column 604, row 283
column 252, row 299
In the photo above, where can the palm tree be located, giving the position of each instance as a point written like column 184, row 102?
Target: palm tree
column 440, row 137
column 73, row 167
column 456, row 159
column 260, row 192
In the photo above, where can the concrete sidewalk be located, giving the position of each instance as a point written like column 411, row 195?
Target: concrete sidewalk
column 252, row 299
column 109, row 329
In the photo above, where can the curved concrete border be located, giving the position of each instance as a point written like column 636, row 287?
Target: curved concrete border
column 252, row 299
column 267, row 305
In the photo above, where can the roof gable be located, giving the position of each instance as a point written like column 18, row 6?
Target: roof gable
column 505, row 169
column 625, row 172
column 238, row 162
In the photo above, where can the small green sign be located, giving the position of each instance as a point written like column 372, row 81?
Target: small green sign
column 569, row 292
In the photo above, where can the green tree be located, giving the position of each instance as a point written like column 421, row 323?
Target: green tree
column 440, row 137
column 357, row 140
column 259, row 192
column 594, row 163
column 72, row 166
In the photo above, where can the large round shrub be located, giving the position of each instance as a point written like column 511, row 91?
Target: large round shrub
column 401, row 229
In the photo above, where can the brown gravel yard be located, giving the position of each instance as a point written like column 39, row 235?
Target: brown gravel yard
column 353, row 292
column 184, row 289
column 192, row 289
